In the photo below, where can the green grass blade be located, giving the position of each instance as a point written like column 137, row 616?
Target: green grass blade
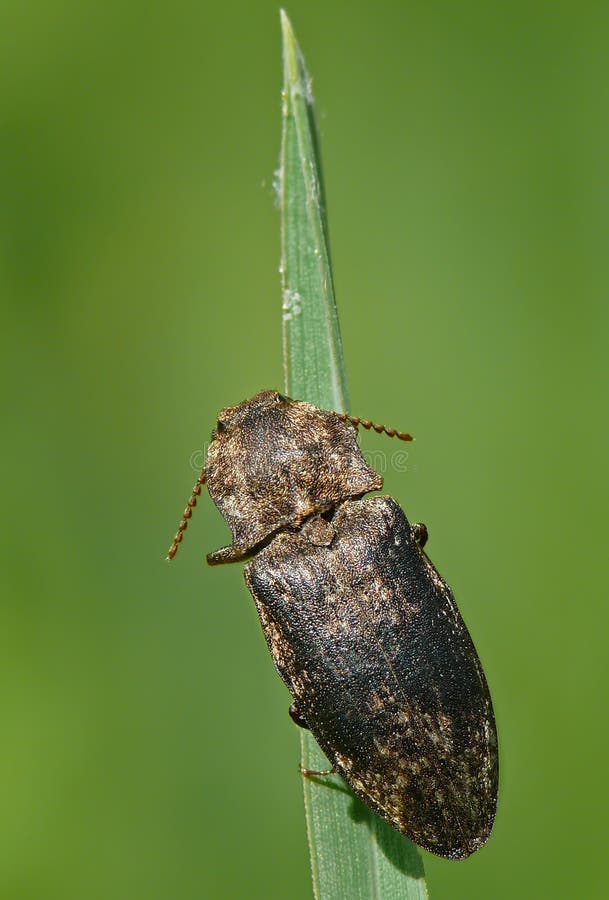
column 313, row 357
column 354, row 853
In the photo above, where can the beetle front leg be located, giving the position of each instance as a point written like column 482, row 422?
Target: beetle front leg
column 228, row 554
column 420, row 533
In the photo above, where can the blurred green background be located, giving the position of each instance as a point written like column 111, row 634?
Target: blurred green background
column 146, row 749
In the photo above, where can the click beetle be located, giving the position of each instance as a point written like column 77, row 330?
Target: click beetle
column 362, row 628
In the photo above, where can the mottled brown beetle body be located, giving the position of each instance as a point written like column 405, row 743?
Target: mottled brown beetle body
column 368, row 638
column 362, row 628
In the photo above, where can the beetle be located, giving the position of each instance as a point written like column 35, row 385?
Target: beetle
column 361, row 627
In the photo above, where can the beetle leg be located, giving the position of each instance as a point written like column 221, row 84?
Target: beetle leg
column 296, row 717
column 420, row 533
column 227, row 555
column 317, row 773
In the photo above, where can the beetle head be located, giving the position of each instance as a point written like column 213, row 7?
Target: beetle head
column 274, row 461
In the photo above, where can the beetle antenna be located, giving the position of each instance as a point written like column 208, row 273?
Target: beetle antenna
column 380, row 429
column 196, row 493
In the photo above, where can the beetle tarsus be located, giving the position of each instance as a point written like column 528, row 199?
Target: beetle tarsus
column 317, row 773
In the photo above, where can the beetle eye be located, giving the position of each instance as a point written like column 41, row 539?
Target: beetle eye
column 279, row 398
column 220, row 426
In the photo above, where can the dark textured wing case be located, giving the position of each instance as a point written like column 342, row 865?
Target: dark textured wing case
column 368, row 638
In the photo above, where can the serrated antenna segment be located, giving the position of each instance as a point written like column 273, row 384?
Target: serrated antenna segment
column 380, row 429
column 196, row 493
